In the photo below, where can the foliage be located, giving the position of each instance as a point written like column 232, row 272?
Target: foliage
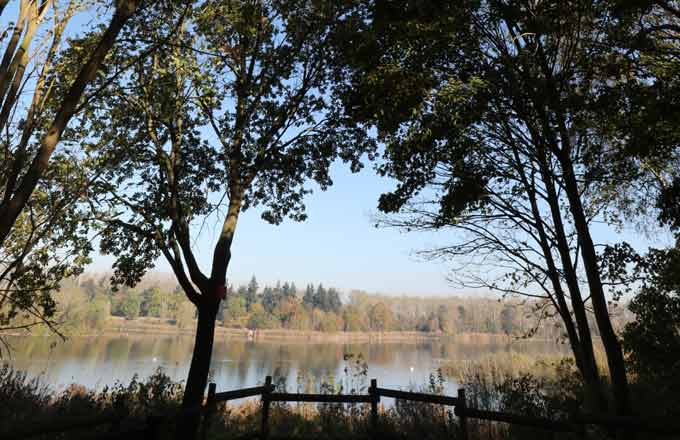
column 518, row 125
column 130, row 305
column 44, row 232
column 153, row 302
column 83, row 306
column 556, row 396
column 380, row 317
column 652, row 339
column 30, row 401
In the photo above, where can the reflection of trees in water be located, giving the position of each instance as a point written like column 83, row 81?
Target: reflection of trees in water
column 239, row 363
column 118, row 349
column 380, row 354
column 138, row 349
column 92, row 352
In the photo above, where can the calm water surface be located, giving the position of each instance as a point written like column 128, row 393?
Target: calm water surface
column 99, row 361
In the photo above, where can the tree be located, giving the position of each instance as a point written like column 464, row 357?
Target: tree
column 260, row 319
column 293, row 315
column 380, row 317
column 333, row 302
column 98, row 311
column 153, row 302
column 251, row 293
column 320, row 298
column 355, row 319
column 495, row 125
column 446, row 324
column 509, row 319
column 253, row 75
column 462, row 318
column 286, row 291
column 309, row 298
column 130, row 306
column 235, row 308
column 270, row 299
column 330, row 322
column 185, row 314
column 652, row 338
column 39, row 215
column 20, row 177
column 645, row 36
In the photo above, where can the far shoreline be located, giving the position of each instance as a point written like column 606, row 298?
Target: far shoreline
column 116, row 326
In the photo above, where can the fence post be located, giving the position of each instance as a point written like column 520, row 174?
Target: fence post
column 373, row 392
column 210, row 406
column 460, row 412
column 265, row 407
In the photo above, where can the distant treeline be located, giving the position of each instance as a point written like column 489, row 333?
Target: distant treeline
column 86, row 303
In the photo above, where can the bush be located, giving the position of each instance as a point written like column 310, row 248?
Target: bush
column 28, row 402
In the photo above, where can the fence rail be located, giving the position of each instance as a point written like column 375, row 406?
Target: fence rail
column 418, row 397
column 239, row 394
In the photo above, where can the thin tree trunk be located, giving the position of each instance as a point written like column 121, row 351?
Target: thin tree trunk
column 590, row 371
column 617, row 368
column 578, row 333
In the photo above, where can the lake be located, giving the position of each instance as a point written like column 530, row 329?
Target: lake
column 237, row 363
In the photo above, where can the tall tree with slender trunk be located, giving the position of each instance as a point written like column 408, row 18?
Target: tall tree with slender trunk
column 43, row 236
column 233, row 114
column 499, row 122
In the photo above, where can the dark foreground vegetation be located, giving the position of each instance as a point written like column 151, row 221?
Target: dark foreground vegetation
column 554, row 395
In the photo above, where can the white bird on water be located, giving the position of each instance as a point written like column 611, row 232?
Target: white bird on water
column 153, row 360
column 412, row 369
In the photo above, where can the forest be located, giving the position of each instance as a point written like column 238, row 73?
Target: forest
column 85, row 304
column 537, row 140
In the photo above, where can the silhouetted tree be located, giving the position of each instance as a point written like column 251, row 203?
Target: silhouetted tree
column 42, row 229
column 252, row 77
column 494, row 125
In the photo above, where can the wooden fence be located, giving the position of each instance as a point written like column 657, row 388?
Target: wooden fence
column 266, row 392
column 576, row 424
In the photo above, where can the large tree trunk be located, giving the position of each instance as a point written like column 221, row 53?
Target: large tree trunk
column 200, row 366
column 208, row 305
column 617, row 368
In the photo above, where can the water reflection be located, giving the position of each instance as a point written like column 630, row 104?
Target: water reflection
column 236, row 363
